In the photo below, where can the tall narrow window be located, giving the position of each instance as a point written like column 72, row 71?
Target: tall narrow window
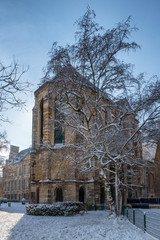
column 20, row 171
column 15, row 185
column 41, row 123
column 24, row 184
column 9, row 186
column 59, row 134
column 19, row 185
column 12, row 186
column 25, row 169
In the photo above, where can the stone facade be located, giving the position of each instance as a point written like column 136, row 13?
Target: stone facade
column 153, row 176
column 156, row 179
column 54, row 177
column 46, row 173
column 16, row 175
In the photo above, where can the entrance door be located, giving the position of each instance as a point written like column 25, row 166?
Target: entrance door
column 59, row 195
column 81, row 194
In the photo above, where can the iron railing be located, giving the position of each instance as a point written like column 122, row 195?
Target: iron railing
column 148, row 221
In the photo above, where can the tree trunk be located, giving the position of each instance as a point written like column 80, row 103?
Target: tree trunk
column 117, row 200
column 107, row 189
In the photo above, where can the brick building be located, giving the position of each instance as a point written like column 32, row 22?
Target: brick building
column 46, row 173
column 53, row 175
column 16, row 174
column 153, row 173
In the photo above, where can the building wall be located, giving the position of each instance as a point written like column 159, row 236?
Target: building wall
column 154, row 175
column 52, row 165
column 16, row 179
column 48, row 173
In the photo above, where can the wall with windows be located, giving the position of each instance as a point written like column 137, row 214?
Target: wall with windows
column 16, row 177
column 54, row 176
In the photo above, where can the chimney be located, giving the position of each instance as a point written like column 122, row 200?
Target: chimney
column 14, row 150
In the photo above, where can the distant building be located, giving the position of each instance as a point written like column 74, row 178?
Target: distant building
column 152, row 182
column 151, row 154
column 16, row 174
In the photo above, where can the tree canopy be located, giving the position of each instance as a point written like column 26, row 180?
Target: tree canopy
column 11, row 89
column 122, row 113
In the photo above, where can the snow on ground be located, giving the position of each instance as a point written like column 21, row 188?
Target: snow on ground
column 95, row 225
column 157, row 210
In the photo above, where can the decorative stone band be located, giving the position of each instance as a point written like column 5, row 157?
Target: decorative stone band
column 59, row 181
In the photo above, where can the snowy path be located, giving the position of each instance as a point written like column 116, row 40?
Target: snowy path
column 15, row 225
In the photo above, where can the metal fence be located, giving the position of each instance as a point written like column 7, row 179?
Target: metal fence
column 148, row 221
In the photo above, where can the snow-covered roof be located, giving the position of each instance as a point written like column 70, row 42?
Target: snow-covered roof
column 68, row 73
column 20, row 156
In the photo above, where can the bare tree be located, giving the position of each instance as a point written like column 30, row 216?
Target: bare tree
column 110, row 110
column 12, row 89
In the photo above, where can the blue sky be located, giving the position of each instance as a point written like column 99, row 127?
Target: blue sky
column 29, row 27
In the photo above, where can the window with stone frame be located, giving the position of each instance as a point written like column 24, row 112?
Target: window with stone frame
column 15, row 186
column 12, row 186
column 20, row 171
column 59, row 133
column 41, row 120
column 20, row 185
column 24, row 184
column 25, row 169
column 9, row 186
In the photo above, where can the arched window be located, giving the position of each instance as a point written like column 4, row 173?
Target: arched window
column 81, row 194
column 20, row 171
column 102, row 194
column 41, row 123
column 59, row 134
column 59, row 195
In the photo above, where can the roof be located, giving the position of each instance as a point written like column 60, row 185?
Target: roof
column 70, row 73
column 20, row 156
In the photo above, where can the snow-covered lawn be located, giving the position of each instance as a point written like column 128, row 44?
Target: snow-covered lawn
column 15, row 225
